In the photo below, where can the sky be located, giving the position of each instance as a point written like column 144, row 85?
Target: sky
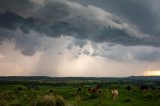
column 79, row 38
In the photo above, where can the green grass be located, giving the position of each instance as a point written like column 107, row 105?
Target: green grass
column 13, row 95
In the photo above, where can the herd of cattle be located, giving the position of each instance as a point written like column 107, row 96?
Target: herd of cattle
column 114, row 92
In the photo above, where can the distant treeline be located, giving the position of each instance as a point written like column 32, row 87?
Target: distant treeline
column 17, row 78
column 74, row 81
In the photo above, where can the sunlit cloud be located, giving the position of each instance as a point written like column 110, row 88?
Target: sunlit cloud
column 152, row 73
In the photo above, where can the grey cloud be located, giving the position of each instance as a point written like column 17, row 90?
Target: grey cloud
column 27, row 44
column 77, row 42
column 59, row 17
column 20, row 7
column 10, row 20
column 146, row 54
column 121, row 53
column 142, row 13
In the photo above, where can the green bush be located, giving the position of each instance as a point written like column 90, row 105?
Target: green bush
column 3, row 103
column 78, row 99
column 49, row 100
column 45, row 101
column 158, row 95
column 15, row 103
column 36, row 88
column 19, row 88
column 128, row 100
column 7, row 96
column 148, row 95
column 59, row 101
column 52, row 91
column 93, row 96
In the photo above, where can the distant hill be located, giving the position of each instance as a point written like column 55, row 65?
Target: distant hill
column 43, row 78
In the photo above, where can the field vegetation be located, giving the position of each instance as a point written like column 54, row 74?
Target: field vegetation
column 45, row 91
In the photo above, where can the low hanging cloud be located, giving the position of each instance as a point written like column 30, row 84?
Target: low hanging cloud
column 134, row 53
column 115, row 52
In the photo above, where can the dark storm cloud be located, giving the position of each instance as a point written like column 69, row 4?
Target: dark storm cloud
column 10, row 20
column 60, row 17
column 20, row 7
column 142, row 13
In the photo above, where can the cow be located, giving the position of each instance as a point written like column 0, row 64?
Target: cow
column 143, row 88
column 93, row 90
column 128, row 88
column 79, row 90
column 114, row 94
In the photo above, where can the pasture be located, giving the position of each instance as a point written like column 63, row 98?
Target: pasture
column 29, row 92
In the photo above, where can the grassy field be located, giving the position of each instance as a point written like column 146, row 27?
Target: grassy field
column 22, row 95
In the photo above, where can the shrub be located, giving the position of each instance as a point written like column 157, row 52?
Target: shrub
column 7, row 96
column 19, row 88
column 2, row 96
column 158, row 95
column 59, row 101
column 128, row 100
column 148, row 95
column 78, row 99
column 45, row 101
column 51, row 91
column 114, row 87
column 49, row 100
column 93, row 95
column 36, row 88
column 3, row 103
column 15, row 103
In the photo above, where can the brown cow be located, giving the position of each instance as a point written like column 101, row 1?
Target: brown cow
column 94, row 90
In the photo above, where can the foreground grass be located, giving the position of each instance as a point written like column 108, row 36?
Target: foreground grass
column 19, row 95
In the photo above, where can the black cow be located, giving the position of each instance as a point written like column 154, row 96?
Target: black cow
column 143, row 88
column 128, row 88
column 78, row 90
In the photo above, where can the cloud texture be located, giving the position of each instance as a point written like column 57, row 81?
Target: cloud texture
column 80, row 35
column 55, row 18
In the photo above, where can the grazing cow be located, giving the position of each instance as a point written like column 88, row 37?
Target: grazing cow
column 143, row 88
column 94, row 90
column 78, row 90
column 128, row 88
column 114, row 94
column 51, row 91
